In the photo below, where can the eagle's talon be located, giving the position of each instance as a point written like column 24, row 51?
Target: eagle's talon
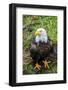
column 37, row 66
column 46, row 63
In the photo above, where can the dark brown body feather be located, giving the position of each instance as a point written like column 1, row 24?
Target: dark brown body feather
column 40, row 51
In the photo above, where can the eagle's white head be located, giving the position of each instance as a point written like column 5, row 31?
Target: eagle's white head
column 41, row 35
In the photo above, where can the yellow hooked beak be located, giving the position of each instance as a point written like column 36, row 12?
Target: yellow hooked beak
column 37, row 33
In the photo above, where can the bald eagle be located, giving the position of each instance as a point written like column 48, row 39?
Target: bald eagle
column 41, row 49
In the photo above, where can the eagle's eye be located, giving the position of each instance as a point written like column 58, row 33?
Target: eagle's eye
column 40, row 31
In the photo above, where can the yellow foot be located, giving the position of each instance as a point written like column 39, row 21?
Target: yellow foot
column 37, row 66
column 46, row 63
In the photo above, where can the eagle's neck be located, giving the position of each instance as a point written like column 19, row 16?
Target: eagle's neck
column 42, row 38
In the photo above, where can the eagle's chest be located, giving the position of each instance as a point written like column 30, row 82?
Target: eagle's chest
column 44, row 48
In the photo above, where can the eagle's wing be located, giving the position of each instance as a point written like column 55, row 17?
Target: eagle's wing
column 33, row 47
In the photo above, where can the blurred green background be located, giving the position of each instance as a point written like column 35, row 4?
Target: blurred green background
column 30, row 24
